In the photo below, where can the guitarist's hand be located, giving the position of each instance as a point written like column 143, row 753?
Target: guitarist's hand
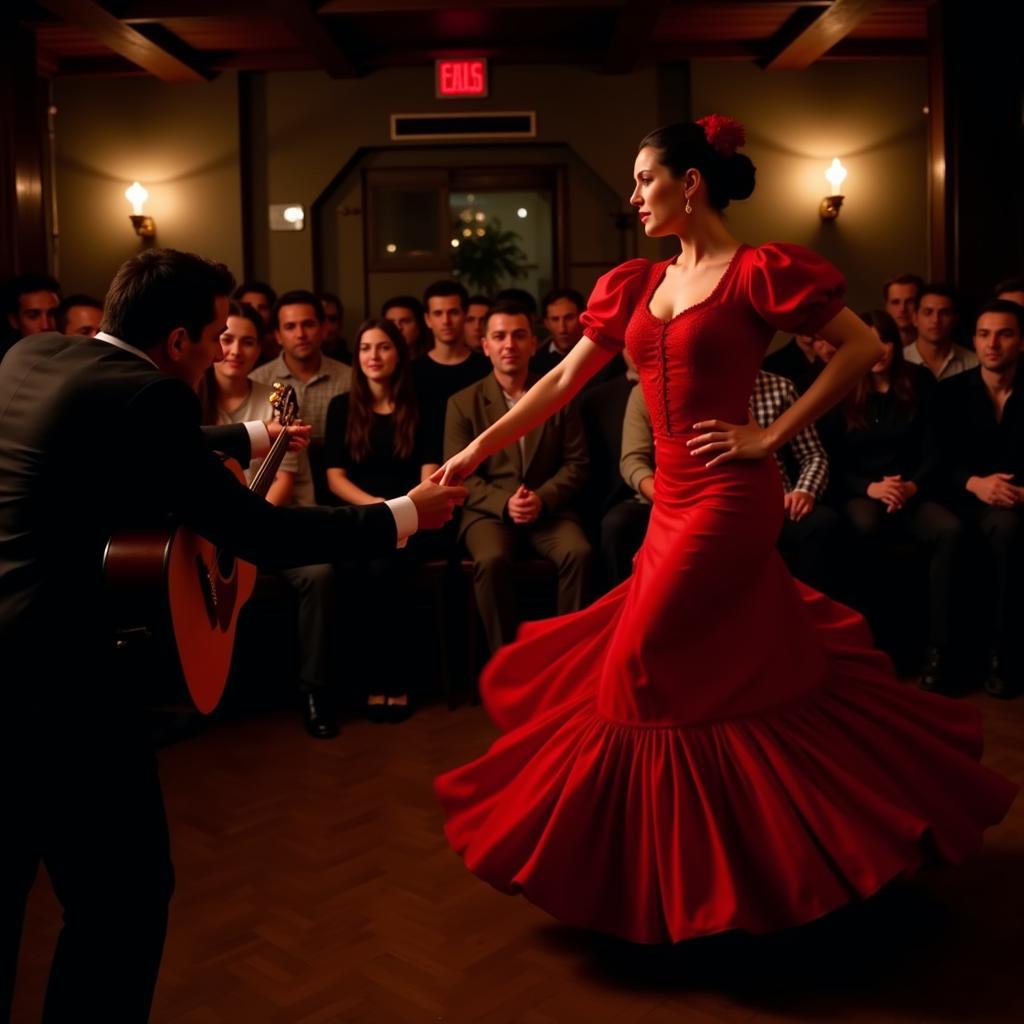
column 299, row 439
column 436, row 504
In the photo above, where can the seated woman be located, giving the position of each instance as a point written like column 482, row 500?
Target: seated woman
column 372, row 453
column 229, row 396
column 886, row 460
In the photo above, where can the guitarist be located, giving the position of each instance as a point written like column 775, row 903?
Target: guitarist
column 97, row 435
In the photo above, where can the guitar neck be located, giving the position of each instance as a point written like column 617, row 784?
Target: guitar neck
column 264, row 476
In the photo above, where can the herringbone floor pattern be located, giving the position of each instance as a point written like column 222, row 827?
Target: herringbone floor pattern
column 315, row 886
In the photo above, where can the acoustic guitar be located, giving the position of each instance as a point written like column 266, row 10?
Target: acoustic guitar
column 180, row 595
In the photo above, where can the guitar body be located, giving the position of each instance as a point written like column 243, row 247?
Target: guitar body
column 178, row 592
column 177, row 596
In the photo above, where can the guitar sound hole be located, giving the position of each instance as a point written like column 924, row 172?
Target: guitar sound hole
column 225, row 563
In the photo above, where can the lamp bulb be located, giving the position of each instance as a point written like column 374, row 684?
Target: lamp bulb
column 137, row 196
column 836, row 175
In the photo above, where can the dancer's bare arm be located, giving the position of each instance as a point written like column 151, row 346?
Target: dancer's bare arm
column 547, row 396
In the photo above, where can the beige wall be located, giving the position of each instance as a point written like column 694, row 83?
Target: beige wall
column 180, row 141
column 870, row 115
column 313, row 126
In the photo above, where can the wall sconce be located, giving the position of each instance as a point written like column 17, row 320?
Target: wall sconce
column 287, row 217
column 836, row 175
column 145, row 227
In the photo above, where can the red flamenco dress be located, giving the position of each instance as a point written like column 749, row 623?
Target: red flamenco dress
column 712, row 745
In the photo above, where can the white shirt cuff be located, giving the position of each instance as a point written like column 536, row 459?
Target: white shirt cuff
column 407, row 519
column 259, row 438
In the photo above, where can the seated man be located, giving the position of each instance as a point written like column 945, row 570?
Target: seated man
column 901, row 296
column 935, row 320
column 32, row 302
column 980, row 417
column 809, row 537
column 521, row 497
column 476, row 312
column 796, row 361
column 80, row 315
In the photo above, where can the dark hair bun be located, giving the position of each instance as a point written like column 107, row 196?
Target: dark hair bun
column 734, row 180
column 684, row 145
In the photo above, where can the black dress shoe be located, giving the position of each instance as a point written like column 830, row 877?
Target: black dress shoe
column 318, row 717
column 935, row 676
column 1001, row 683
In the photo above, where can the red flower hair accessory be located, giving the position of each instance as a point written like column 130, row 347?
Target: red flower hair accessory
column 724, row 135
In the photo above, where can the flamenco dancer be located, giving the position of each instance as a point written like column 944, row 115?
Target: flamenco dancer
column 712, row 745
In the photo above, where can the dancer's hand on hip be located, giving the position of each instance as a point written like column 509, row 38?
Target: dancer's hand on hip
column 730, row 440
column 461, row 465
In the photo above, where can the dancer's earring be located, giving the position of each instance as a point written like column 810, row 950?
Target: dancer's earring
column 689, row 208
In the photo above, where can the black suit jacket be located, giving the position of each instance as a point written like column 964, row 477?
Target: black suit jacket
column 94, row 439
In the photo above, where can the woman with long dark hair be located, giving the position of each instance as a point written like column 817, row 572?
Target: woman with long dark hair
column 712, row 745
column 885, row 460
column 372, row 453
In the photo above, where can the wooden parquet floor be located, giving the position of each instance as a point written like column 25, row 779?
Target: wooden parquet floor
column 315, row 886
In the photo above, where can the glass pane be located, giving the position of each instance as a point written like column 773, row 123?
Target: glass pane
column 407, row 225
column 502, row 240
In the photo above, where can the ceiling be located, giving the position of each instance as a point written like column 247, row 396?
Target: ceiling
column 195, row 40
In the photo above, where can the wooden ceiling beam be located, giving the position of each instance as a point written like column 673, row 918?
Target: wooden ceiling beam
column 809, row 33
column 313, row 35
column 632, row 34
column 156, row 50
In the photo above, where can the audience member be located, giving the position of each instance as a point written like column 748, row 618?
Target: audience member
column 980, row 414
column 901, row 296
column 32, row 302
column 936, row 320
column 1011, row 289
column 522, row 496
column 372, row 454
column 298, row 319
column 561, row 309
column 406, row 313
column 261, row 297
column 796, row 361
column 449, row 366
column 476, row 312
column 886, row 466
column 229, row 396
column 80, row 315
column 333, row 343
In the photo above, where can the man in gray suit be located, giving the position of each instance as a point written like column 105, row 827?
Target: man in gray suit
column 520, row 498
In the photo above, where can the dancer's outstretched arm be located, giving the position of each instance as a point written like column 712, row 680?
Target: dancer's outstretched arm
column 547, row 396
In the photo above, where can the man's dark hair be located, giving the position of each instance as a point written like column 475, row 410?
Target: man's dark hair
column 442, row 289
column 940, row 288
column 1008, row 306
column 509, row 307
column 557, row 294
column 162, row 289
column 330, row 297
column 403, row 302
column 298, row 297
column 520, row 295
column 917, row 282
column 1011, row 284
column 260, row 287
column 478, row 300
column 78, row 299
column 27, row 283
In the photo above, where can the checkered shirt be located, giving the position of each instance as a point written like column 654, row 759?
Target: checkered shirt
column 773, row 395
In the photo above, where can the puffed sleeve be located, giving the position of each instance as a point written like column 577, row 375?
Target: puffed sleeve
column 794, row 289
column 612, row 302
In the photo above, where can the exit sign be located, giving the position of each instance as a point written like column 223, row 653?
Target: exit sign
column 460, row 79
